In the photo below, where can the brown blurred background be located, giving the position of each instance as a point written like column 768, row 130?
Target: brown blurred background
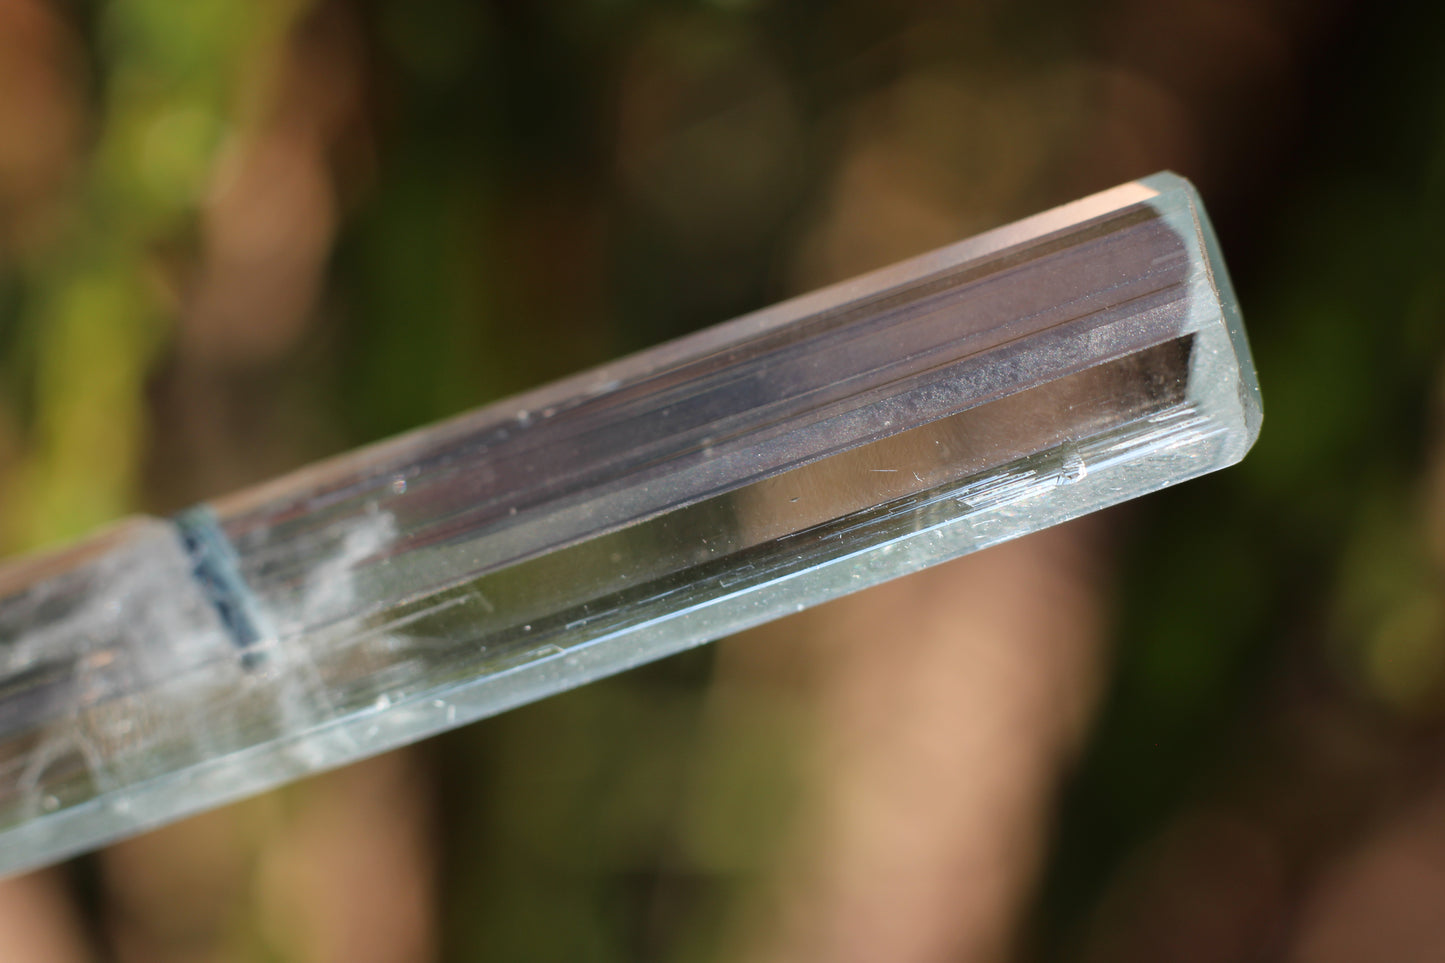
column 237, row 235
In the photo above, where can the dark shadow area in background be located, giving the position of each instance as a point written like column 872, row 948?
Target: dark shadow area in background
column 1243, row 748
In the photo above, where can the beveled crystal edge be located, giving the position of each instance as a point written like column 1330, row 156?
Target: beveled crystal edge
column 1177, row 200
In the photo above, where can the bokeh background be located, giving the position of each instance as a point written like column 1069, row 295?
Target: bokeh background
column 237, row 235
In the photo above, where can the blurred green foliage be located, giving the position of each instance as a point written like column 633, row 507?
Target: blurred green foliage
column 91, row 320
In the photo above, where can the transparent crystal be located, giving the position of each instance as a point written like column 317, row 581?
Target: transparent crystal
column 1047, row 369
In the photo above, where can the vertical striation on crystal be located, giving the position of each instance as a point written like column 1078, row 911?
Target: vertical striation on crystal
column 1059, row 365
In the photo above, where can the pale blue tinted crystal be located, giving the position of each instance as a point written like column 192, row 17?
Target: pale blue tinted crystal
column 1065, row 363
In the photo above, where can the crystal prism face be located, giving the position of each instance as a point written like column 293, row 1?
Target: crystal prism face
column 1024, row 377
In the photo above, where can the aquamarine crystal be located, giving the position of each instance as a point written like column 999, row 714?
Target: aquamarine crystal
column 1068, row 362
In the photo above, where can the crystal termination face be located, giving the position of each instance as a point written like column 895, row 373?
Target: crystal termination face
column 1062, row 364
